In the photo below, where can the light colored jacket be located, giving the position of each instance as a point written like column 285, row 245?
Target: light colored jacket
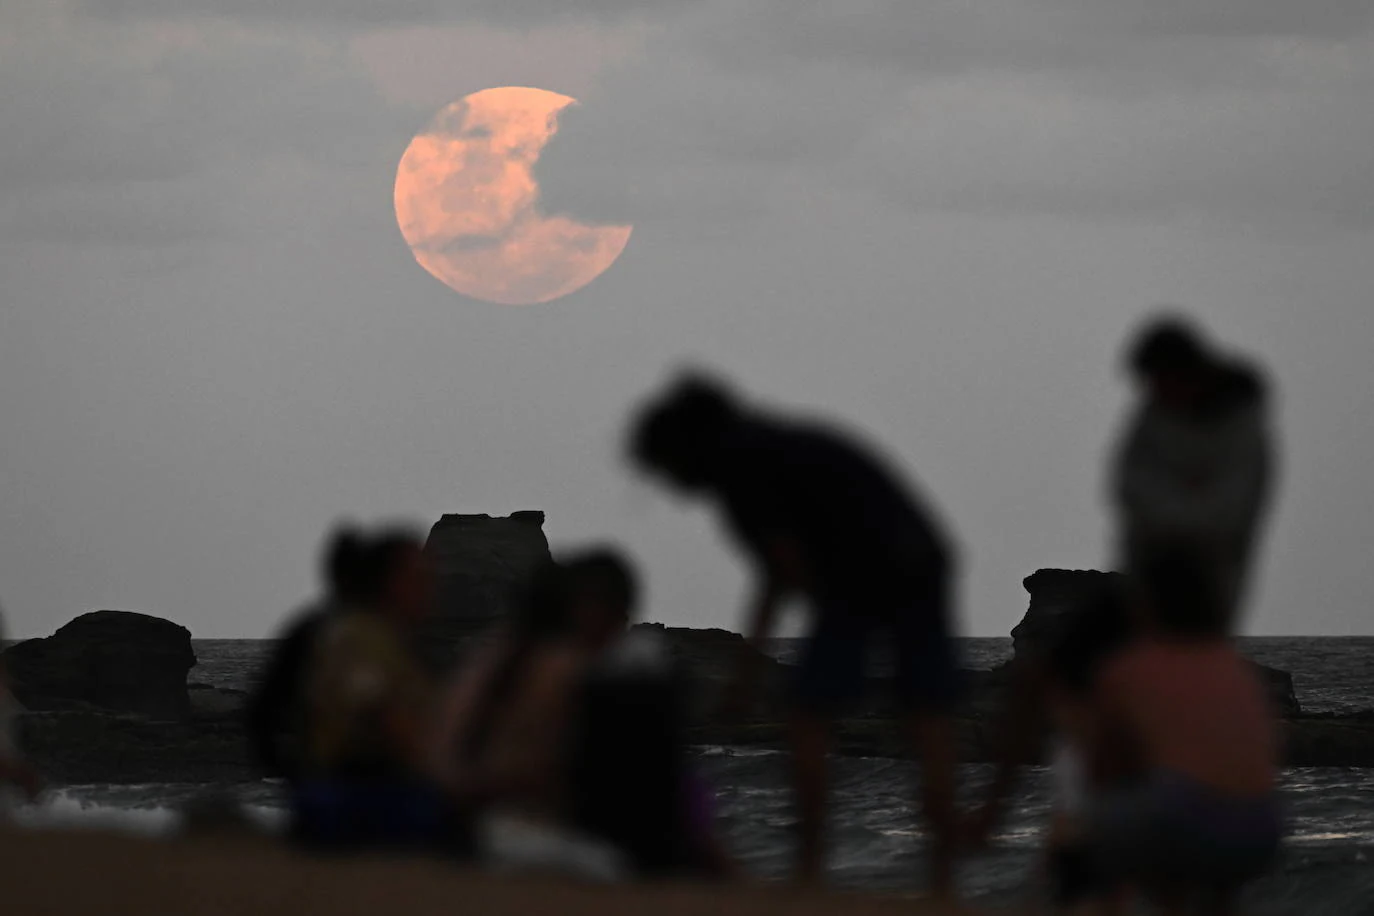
column 1203, row 480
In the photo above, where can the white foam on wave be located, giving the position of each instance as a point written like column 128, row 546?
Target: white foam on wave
column 65, row 810
column 722, row 750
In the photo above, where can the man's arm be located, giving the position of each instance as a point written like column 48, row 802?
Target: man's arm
column 781, row 575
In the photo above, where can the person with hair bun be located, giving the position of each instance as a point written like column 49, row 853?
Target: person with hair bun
column 367, row 709
column 1196, row 464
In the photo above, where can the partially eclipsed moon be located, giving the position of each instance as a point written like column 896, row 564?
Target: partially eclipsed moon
column 468, row 203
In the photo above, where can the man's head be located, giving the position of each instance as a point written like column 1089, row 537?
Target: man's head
column 679, row 435
column 1172, row 358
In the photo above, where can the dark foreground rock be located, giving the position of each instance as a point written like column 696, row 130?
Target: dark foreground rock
column 114, row 660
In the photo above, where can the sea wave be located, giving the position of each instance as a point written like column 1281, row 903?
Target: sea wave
column 74, row 809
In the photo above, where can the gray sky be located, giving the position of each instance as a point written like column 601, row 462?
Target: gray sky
column 937, row 221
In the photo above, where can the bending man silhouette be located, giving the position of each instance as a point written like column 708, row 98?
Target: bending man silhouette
column 823, row 520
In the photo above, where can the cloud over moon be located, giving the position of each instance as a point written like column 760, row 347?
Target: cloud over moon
column 467, row 202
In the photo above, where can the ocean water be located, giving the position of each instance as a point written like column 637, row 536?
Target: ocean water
column 1328, row 866
column 1333, row 674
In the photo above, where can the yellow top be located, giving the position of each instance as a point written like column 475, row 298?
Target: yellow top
column 367, row 697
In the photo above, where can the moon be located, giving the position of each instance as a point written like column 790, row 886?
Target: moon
column 468, row 203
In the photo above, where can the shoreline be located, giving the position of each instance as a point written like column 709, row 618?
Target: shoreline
column 230, row 875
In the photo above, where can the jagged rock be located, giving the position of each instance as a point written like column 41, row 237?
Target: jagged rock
column 108, row 659
column 709, row 659
column 481, row 562
column 1053, row 591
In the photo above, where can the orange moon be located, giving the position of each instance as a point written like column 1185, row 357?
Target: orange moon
column 468, row 203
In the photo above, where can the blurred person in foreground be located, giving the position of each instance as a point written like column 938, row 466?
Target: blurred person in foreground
column 1084, row 762
column 15, row 771
column 367, row 708
column 1194, row 469
column 561, row 740
column 824, row 520
column 1050, row 704
column 1201, row 817
column 274, row 712
column 1195, row 466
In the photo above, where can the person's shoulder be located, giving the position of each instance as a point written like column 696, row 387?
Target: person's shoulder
column 1243, row 386
column 1121, row 665
column 357, row 628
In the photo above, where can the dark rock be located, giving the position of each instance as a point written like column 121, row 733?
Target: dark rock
column 709, row 659
column 1345, row 741
column 216, row 702
column 110, row 659
column 481, row 562
column 1054, row 591
column 1281, row 693
column 92, row 746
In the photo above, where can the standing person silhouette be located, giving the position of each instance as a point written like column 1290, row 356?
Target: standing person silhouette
column 823, row 520
column 1195, row 467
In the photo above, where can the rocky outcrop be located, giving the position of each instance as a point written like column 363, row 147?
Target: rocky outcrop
column 85, row 746
column 1054, row 591
column 113, row 660
column 481, row 562
column 709, row 659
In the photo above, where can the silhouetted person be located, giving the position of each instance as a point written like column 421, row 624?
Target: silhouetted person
column 1202, row 818
column 505, row 725
column 14, row 769
column 631, row 779
column 566, row 732
column 368, row 708
column 274, row 711
column 824, row 520
column 1195, row 466
column 1083, row 761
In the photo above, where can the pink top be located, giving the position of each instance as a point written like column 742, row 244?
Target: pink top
column 1196, row 709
